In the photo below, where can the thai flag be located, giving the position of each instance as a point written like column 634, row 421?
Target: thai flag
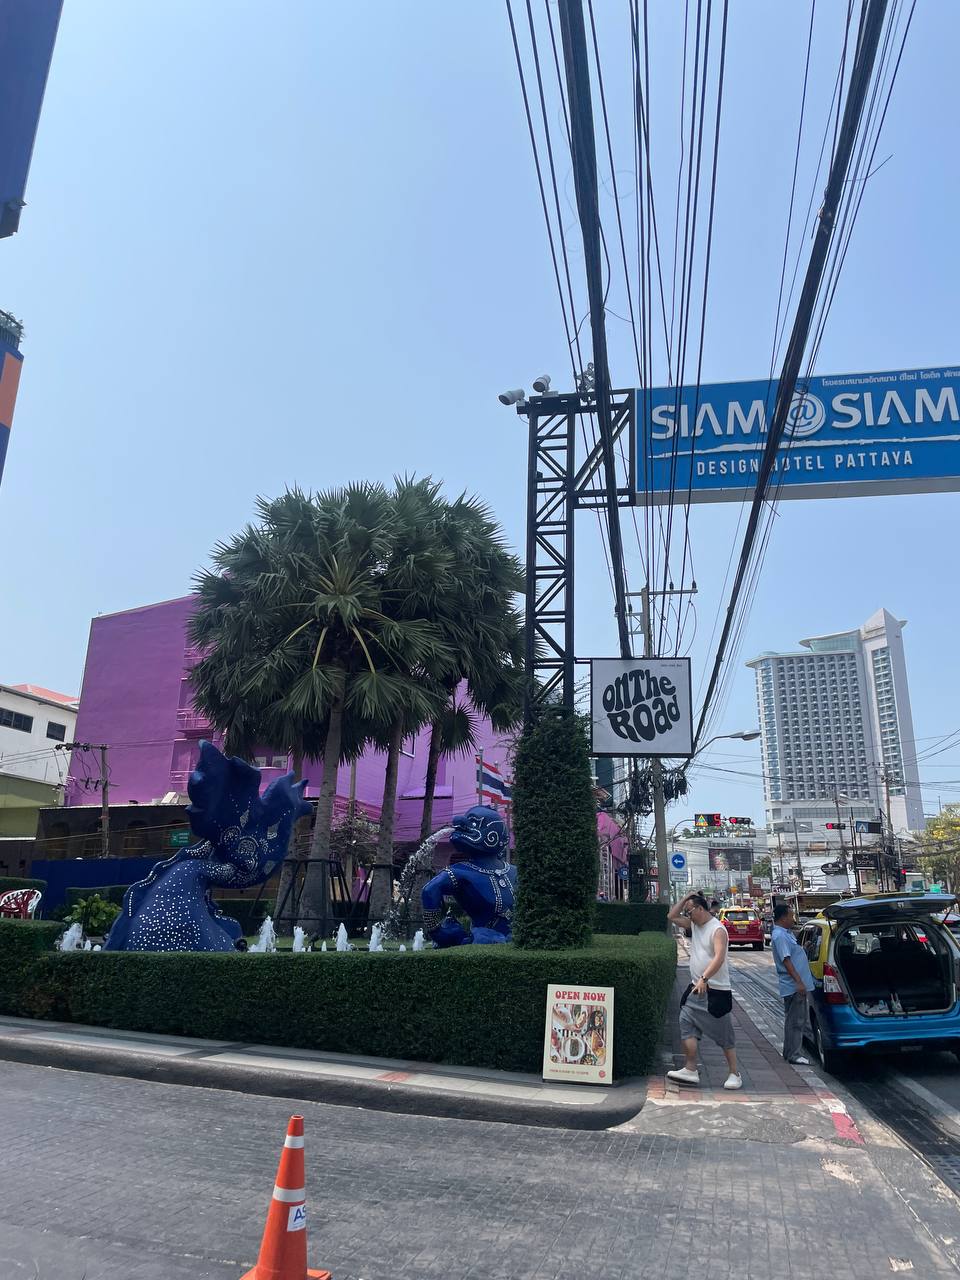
column 491, row 784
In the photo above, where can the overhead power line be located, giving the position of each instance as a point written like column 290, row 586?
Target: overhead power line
column 860, row 78
column 583, row 151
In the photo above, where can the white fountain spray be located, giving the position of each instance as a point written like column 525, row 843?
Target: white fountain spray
column 376, row 938
column 72, row 939
column 402, row 947
column 298, row 936
column 421, row 860
column 267, row 941
column 342, row 943
column 88, row 945
column 419, row 941
column 323, row 945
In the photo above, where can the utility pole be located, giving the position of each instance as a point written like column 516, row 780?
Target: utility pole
column 843, row 850
column 796, row 840
column 104, row 788
column 853, row 845
column 783, row 874
column 656, row 764
column 104, row 803
column 480, row 777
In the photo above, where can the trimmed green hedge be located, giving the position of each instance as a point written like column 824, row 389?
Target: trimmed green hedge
column 22, row 944
column 631, row 917
column 476, row 1006
column 20, row 882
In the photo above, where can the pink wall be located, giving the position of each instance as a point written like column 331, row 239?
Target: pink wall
column 136, row 698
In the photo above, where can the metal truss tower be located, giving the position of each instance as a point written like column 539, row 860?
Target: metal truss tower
column 556, row 487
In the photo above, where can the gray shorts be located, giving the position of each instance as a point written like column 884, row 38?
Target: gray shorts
column 696, row 1021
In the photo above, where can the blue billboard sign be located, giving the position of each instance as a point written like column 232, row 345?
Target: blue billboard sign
column 28, row 29
column 850, row 435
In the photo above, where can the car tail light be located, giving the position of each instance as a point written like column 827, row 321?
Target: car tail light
column 832, row 990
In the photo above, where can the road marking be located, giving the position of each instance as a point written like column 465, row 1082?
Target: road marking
column 933, row 1103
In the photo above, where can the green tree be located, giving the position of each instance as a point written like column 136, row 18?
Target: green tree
column 762, row 868
column 940, row 848
column 483, row 628
column 324, row 657
column 555, row 823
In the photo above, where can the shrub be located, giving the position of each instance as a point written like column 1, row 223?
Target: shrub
column 476, row 1006
column 20, row 882
column 22, row 943
column 555, row 822
column 94, row 913
column 631, row 917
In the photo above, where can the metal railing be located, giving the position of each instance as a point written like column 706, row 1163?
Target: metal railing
column 338, row 904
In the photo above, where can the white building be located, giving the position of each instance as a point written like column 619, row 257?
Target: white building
column 32, row 721
column 837, row 729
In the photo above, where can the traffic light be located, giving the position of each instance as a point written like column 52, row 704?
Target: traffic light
column 835, row 826
column 707, row 820
column 740, row 822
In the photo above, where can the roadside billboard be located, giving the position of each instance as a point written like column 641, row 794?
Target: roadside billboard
column 849, row 435
column 730, row 857
column 28, row 29
column 641, row 707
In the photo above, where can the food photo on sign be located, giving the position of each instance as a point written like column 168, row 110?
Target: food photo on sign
column 578, row 1044
column 641, row 707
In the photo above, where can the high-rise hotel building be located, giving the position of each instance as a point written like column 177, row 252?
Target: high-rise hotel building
column 836, row 725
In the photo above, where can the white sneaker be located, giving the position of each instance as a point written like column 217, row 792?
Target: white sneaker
column 733, row 1081
column 800, row 1061
column 683, row 1075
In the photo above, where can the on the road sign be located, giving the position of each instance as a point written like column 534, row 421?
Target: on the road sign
column 679, row 861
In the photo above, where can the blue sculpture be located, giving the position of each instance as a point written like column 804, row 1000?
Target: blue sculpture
column 244, row 838
column 482, row 883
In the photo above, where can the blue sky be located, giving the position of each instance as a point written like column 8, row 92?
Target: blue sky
column 307, row 247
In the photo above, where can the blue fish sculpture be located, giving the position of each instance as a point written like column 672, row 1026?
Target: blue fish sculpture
column 243, row 838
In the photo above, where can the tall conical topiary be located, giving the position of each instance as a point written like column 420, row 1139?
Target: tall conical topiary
column 555, row 819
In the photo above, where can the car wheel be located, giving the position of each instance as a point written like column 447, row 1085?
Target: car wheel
column 830, row 1059
column 758, row 946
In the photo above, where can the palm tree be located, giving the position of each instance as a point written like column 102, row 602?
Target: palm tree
column 484, row 629
column 416, row 576
column 305, row 595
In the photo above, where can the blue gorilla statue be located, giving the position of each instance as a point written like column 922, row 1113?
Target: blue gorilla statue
column 482, row 883
column 243, row 839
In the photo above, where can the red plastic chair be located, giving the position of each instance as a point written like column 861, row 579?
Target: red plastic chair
column 19, row 904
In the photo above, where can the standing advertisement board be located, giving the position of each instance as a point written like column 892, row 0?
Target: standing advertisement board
column 641, row 707
column 578, row 1040
column 846, row 435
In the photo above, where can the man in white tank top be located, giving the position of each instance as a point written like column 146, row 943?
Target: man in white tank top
column 706, row 1004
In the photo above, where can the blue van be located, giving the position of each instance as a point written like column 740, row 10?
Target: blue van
column 887, row 975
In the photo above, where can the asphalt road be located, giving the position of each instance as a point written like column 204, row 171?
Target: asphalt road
column 105, row 1178
column 916, row 1092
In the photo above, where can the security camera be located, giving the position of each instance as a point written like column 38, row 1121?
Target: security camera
column 542, row 384
column 512, row 397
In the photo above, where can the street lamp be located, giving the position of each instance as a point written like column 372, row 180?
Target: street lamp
column 744, row 735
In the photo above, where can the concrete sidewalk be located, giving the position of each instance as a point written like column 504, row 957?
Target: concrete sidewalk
column 380, row 1084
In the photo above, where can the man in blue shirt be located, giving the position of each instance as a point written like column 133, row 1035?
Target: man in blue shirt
column 795, row 981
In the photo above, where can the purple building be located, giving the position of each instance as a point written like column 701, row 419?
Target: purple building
column 137, row 698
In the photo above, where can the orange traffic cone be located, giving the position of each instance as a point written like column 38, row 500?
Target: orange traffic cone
column 283, row 1250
